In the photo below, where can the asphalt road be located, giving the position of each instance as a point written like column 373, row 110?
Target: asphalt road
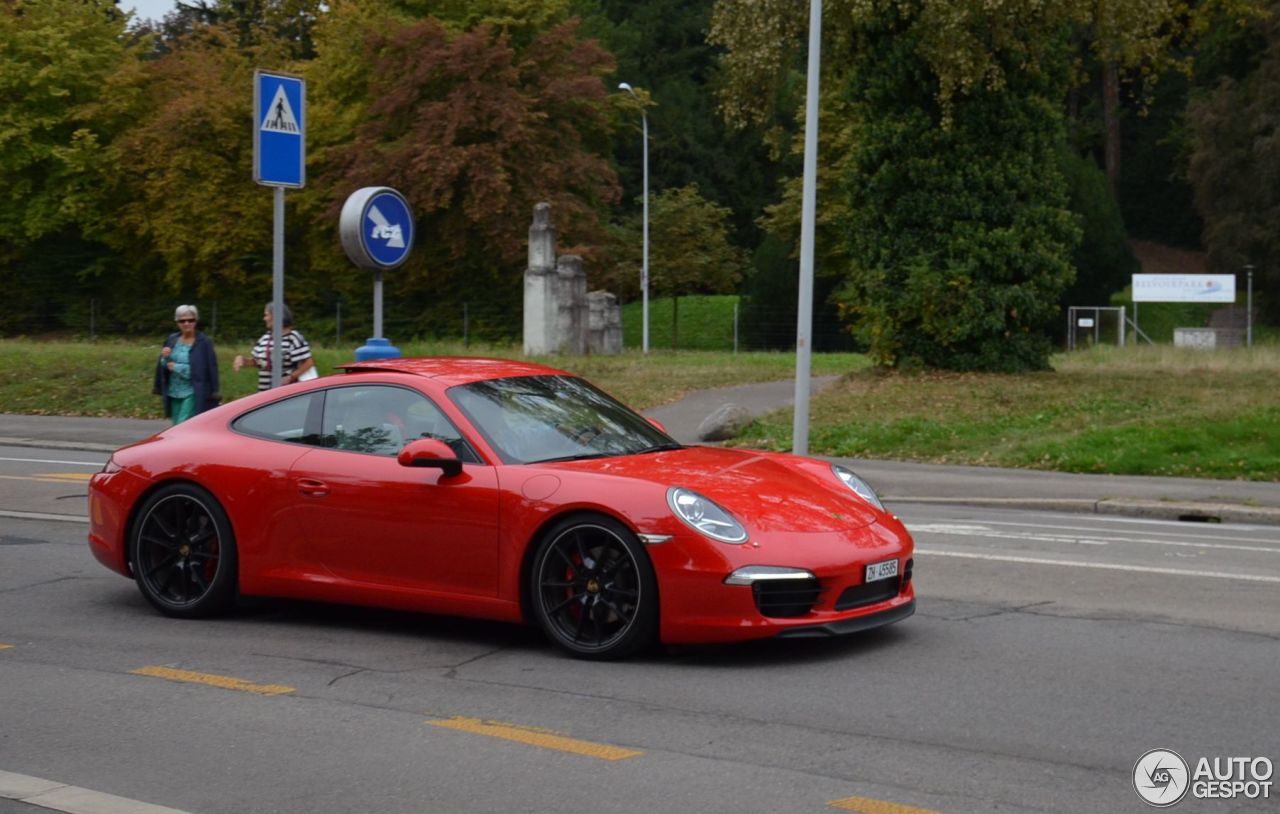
column 1048, row 653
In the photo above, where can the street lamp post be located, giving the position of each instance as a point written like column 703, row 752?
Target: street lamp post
column 808, row 220
column 644, row 263
column 1248, row 306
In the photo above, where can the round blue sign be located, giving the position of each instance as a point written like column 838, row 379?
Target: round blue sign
column 377, row 228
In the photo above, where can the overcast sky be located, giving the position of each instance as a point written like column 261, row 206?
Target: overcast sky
column 150, row 9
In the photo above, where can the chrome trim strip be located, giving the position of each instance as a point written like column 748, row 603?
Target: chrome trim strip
column 653, row 539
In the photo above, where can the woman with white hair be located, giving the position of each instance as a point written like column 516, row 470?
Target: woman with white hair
column 187, row 373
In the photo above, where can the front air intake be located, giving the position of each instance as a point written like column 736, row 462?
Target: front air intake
column 785, row 598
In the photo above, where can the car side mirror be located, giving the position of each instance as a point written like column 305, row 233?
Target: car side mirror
column 431, row 453
column 655, row 422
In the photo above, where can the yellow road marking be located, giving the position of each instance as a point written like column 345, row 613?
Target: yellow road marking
column 865, row 805
column 5, row 646
column 59, row 477
column 225, row 682
column 535, row 737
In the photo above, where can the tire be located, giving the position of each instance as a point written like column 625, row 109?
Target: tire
column 592, row 588
column 184, row 553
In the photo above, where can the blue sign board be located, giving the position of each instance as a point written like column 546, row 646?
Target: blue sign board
column 376, row 227
column 280, row 130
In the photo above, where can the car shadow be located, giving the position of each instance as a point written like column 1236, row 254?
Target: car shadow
column 300, row 615
column 770, row 652
column 297, row 617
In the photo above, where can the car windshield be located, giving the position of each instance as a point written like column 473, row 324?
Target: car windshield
column 530, row 419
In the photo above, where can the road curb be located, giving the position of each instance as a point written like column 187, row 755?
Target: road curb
column 1189, row 511
column 73, row 446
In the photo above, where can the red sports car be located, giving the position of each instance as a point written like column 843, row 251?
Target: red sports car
column 503, row 490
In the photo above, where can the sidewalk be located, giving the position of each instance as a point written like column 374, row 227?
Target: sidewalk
column 897, row 482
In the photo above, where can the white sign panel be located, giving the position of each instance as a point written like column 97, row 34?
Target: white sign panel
column 1184, row 288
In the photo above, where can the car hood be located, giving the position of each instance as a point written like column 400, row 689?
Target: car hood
column 768, row 493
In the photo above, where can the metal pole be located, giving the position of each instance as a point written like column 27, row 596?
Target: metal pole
column 735, row 328
column 804, row 318
column 377, row 303
column 644, row 262
column 644, row 269
column 277, row 288
column 1248, row 308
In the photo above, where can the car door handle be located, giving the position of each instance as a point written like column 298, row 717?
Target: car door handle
column 312, row 488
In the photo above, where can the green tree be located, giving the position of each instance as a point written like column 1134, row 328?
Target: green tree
column 661, row 48
column 1103, row 261
column 1234, row 167
column 187, row 197
column 475, row 132
column 954, row 239
column 56, row 59
column 691, row 251
column 958, row 236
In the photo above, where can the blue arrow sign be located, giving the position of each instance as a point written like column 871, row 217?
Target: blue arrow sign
column 280, row 131
column 388, row 228
column 376, row 228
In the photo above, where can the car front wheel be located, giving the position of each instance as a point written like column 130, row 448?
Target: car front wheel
column 593, row 589
column 183, row 552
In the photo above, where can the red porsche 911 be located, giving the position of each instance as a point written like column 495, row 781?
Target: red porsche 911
column 496, row 489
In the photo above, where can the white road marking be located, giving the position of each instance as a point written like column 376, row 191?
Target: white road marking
column 1145, row 521
column 980, row 531
column 1106, row 566
column 50, row 794
column 66, row 518
column 1097, row 529
column 94, row 464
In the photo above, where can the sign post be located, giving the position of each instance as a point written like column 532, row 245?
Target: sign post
column 279, row 160
column 376, row 227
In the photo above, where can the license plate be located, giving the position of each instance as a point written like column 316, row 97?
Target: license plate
column 881, row 570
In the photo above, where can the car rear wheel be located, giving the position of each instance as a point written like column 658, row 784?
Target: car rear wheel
column 183, row 552
column 593, row 589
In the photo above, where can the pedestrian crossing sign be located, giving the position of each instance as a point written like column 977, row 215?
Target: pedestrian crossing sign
column 279, row 134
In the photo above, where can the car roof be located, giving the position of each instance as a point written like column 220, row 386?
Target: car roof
column 454, row 370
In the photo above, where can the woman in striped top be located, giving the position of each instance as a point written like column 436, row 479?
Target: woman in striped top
column 295, row 353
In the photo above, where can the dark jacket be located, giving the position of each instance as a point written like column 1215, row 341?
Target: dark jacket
column 204, row 374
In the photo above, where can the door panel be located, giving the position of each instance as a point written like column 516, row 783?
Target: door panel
column 367, row 518
column 361, row 516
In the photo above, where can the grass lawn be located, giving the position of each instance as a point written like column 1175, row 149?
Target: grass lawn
column 114, row 378
column 703, row 322
column 1144, row 411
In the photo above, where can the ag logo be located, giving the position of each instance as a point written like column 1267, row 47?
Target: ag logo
column 1161, row 778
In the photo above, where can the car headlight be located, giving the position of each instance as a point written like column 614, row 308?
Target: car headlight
column 705, row 515
column 858, row 485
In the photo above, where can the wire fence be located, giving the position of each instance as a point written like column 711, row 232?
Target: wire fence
column 686, row 323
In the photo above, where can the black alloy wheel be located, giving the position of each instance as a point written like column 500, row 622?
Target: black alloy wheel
column 593, row 589
column 183, row 553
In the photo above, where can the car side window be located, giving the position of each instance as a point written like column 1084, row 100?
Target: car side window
column 281, row 420
column 381, row 419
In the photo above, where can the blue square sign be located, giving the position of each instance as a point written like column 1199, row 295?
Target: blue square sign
column 279, row 131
